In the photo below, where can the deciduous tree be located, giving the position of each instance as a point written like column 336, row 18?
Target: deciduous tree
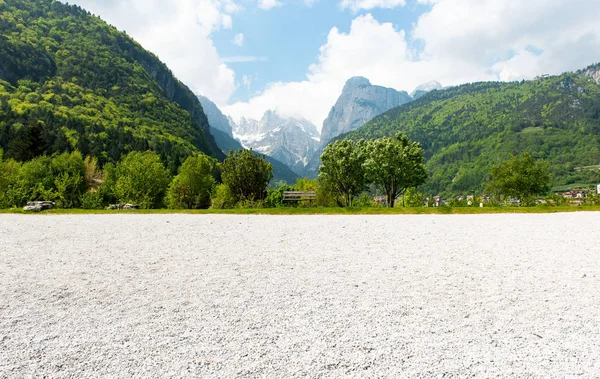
column 247, row 175
column 343, row 168
column 520, row 177
column 394, row 165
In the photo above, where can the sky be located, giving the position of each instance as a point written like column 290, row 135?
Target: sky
column 294, row 56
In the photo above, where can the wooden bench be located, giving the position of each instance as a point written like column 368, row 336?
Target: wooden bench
column 299, row 196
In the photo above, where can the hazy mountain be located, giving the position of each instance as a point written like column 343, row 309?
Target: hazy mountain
column 425, row 88
column 224, row 139
column 289, row 140
column 359, row 102
column 215, row 117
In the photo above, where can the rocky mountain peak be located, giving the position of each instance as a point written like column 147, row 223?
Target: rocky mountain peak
column 425, row 88
column 356, row 82
column 359, row 102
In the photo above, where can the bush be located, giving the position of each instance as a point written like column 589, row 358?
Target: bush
column 275, row 196
column 246, row 174
column 68, row 171
column 142, row 179
column 35, row 182
column 9, row 174
column 93, row 200
column 192, row 187
column 365, row 201
column 222, row 198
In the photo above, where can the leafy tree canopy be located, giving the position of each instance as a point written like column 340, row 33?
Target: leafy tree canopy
column 141, row 179
column 246, row 174
column 520, row 177
column 343, row 168
column 394, row 165
column 193, row 185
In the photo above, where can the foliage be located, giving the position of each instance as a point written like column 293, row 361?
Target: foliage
column 68, row 171
column 520, row 177
column 70, row 81
column 414, row 198
column 394, row 165
column 9, row 173
column 222, row 198
column 274, row 197
column 343, row 169
column 193, row 185
column 59, row 178
column 465, row 130
column 141, row 179
column 246, row 174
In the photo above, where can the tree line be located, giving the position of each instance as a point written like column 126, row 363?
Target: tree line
column 351, row 174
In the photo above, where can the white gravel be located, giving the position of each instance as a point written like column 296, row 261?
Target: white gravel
column 300, row 296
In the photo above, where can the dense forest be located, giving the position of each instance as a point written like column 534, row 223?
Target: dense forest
column 69, row 81
column 466, row 130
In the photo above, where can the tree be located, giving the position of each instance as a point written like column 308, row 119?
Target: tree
column 9, row 174
column 193, row 185
column 343, row 168
column 246, row 174
column 394, row 165
column 521, row 177
column 142, row 179
column 68, row 171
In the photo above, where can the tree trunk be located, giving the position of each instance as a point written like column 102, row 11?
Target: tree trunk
column 390, row 200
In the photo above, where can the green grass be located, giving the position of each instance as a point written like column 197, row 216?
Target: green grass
column 327, row 211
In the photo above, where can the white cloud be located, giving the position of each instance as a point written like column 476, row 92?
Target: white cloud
column 464, row 41
column 238, row 39
column 268, row 4
column 356, row 5
column 247, row 81
column 180, row 35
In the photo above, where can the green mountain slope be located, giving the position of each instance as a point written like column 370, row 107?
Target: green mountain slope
column 70, row 81
column 468, row 129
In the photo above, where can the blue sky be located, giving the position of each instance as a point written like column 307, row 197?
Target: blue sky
column 289, row 38
column 295, row 55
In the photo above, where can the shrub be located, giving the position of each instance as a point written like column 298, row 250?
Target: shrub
column 192, row 187
column 246, row 174
column 68, row 171
column 142, row 179
column 222, row 198
column 275, row 196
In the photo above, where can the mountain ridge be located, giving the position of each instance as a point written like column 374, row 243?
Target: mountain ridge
column 467, row 129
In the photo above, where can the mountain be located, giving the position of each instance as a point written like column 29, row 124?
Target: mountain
column 425, row 88
column 359, row 102
column 70, row 81
column 466, row 130
column 226, row 142
column 289, row 140
column 216, row 118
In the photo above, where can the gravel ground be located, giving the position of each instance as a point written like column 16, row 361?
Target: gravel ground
column 296, row 296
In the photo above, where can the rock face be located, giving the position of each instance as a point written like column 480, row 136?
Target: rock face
column 216, row 118
column 592, row 72
column 425, row 88
column 359, row 103
column 289, row 140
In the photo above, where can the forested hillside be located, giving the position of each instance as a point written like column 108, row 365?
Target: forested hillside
column 468, row 129
column 70, row 81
